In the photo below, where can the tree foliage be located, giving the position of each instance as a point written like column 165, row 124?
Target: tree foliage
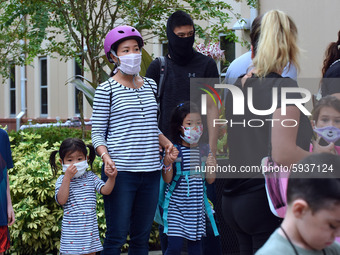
column 77, row 28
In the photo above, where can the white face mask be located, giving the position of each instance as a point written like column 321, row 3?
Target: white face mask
column 192, row 134
column 130, row 64
column 81, row 167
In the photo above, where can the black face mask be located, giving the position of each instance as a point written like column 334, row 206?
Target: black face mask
column 180, row 49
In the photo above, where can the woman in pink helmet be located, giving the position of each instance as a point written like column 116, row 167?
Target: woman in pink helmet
column 126, row 136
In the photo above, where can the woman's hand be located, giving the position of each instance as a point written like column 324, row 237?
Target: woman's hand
column 111, row 172
column 110, row 167
column 171, row 154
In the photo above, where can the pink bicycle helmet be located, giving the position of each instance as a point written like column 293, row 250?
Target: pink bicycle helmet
column 119, row 34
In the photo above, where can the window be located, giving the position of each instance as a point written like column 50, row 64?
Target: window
column 43, row 87
column 229, row 51
column 12, row 101
column 77, row 71
column 164, row 48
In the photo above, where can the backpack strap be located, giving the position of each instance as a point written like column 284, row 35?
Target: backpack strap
column 209, row 211
column 108, row 119
column 162, row 74
column 177, row 166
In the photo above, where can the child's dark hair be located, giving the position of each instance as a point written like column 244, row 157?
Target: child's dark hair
column 180, row 18
column 177, row 116
column 71, row 145
column 320, row 188
column 327, row 101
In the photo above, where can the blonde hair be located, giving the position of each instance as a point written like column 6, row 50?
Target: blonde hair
column 277, row 45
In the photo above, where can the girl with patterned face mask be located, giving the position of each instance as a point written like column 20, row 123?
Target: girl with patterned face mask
column 186, row 182
column 326, row 116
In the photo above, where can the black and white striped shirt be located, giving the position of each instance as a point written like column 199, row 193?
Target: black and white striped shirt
column 132, row 138
column 186, row 212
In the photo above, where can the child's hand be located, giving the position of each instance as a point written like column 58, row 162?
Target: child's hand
column 111, row 172
column 211, row 173
column 211, row 161
column 171, row 154
column 70, row 171
column 317, row 148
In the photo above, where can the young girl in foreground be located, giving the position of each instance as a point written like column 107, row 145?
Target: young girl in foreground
column 185, row 218
column 75, row 191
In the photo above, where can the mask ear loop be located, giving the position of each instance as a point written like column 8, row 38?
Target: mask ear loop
column 116, row 64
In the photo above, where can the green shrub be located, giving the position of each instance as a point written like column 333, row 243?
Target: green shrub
column 49, row 134
column 37, row 226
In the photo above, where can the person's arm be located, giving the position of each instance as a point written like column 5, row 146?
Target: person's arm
column 111, row 181
column 64, row 189
column 10, row 211
column 211, row 164
column 164, row 142
column 105, row 156
column 212, row 113
column 100, row 117
column 169, row 148
column 167, row 174
column 212, row 109
column 284, row 148
column 171, row 154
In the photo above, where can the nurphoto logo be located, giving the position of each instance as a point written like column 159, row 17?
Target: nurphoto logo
column 239, row 102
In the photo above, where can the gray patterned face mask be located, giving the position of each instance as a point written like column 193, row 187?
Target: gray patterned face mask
column 192, row 134
column 81, row 167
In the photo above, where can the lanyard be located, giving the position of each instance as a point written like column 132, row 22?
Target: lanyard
column 296, row 252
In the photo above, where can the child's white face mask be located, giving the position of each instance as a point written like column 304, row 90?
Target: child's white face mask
column 81, row 167
column 130, row 64
column 192, row 134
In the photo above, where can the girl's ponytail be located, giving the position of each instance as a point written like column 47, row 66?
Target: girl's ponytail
column 332, row 54
column 92, row 154
column 53, row 164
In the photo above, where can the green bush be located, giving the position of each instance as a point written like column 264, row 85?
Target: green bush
column 49, row 134
column 38, row 217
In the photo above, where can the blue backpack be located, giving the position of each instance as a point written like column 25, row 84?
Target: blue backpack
column 163, row 201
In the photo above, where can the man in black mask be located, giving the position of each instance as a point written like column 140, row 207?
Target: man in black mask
column 182, row 63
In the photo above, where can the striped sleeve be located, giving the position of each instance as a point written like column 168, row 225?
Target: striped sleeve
column 57, row 187
column 98, row 183
column 100, row 115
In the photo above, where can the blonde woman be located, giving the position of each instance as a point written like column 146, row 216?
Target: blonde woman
column 245, row 206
